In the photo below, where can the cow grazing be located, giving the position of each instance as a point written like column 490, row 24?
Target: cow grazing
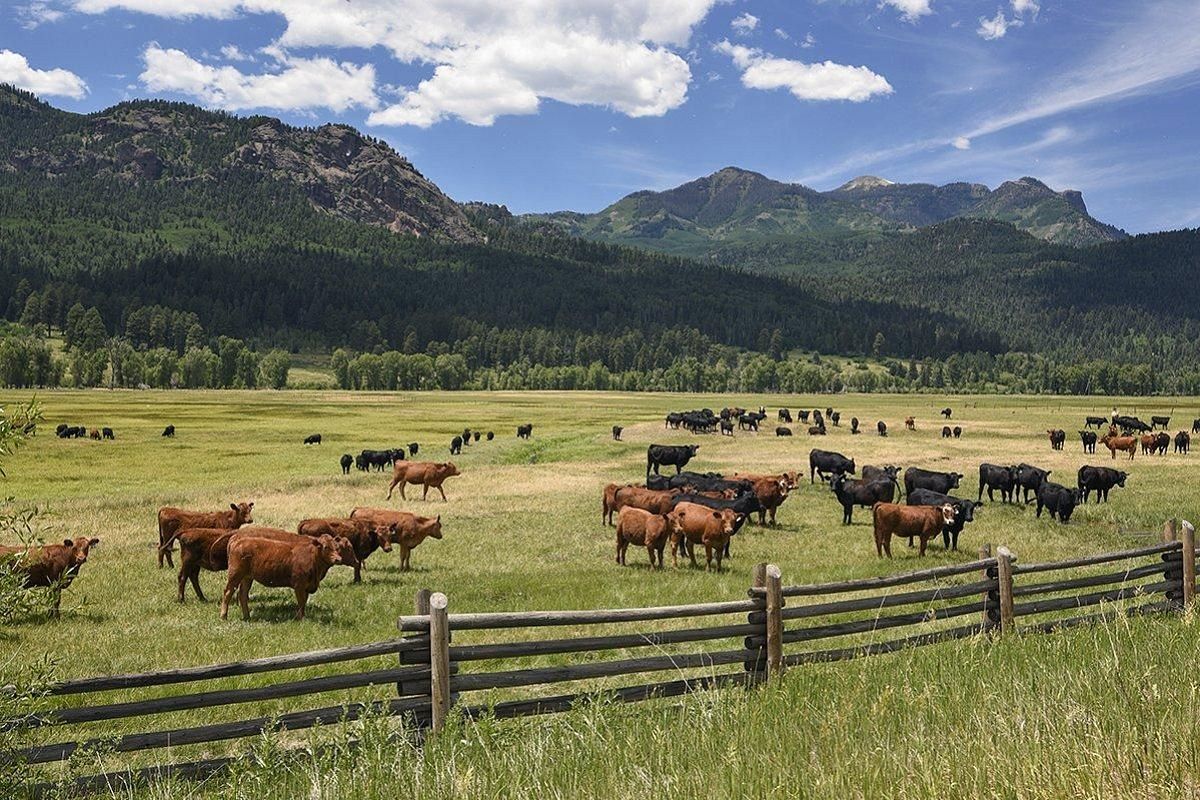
column 964, row 512
column 1160, row 422
column 946, row 432
column 1029, row 478
column 802, row 415
column 365, row 537
column 302, row 565
column 53, row 566
column 1089, row 441
column 616, row 432
column 466, row 436
column 525, row 431
column 922, row 522
column 346, row 460
column 881, row 426
column 94, row 433
column 169, row 431
column 1183, row 442
column 429, row 474
column 917, row 478
column 414, row 448
column 748, row 422
column 173, row 520
column 851, row 492
column 456, row 446
column 1196, row 425
column 1097, row 422
column 693, row 524
column 825, row 462
column 475, row 435
column 835, row 417
column 1129, row 424
column 635, row 526
column 491, row 435
column 947, row 412
column 727, row 427
column 910, row 423
column 663, row 455
column 379, row 458
column 107, row 433
column 1058, row 438
column 783, row 430
column 785, row 415
column 360, row 463
column 1124, row 444
column 1099, row 480
column 854, row 426
column 313, row 439
column 891, row 473
column 816, row 430
column 1058, row 499
column 957, row 431
column 1149, row 443
column 993, row 477
column 61, row 429
column 410, row 529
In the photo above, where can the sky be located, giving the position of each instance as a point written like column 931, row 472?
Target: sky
column 545, row 105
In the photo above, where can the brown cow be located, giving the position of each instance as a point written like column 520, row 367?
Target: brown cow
column 365, row 536
column 52, row 565
column 696, row 524
column 300, row 564
column 173, row 520
column 208, row 548
column 409, row 532
column 770, row 492
column 94, row 433
column 652, row 500
column 790, row 479
column 429, row 474
column 1149, row 443
column 608, row 505
column 1114, row 443
column 910, row 423
column 893, row 519
column 642, row 528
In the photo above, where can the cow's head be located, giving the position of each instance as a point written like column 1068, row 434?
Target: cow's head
column 450, row 470
column 968, row 509
column 949, row 513
column 728, row 519
column 331, row 550
column 836, row 482
column 693, row 449
column 430, row 527
column 1121, row 476
column 241, row 513
column 383, row 534
column 79, row 549
column 955, row 478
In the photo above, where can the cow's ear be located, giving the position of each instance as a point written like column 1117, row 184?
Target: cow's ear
column 93, row 542
column 716, row 514
column 438, row 519
column 68, row 543
column 233, row 506
column 250, row 504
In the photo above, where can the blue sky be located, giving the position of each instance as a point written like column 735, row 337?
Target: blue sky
column 570, row 104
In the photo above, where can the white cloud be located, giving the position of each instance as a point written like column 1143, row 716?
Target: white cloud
column 15, row 69
column 490, row 57
column 299, row 84
column 809, row 41
column 994, row 28
column 910, row 10
column 34, row 14
column 961, row 143
column 744, row 23
column 823, row 81
column 1021, row 6
column 231, row 52
column 782, row 34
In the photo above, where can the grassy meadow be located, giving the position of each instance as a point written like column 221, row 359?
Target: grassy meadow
column 523, row 531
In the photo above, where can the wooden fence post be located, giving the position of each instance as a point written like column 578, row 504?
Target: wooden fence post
column 1004, row 576
column 757, row 664
column 439, row 660
column 774, row 580
column 1189, row 563
column 1169, row 532
column 986, row 621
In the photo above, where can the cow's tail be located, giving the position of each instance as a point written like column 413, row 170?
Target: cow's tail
column 649, row 462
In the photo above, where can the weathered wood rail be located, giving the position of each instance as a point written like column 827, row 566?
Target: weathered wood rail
column 701, row 645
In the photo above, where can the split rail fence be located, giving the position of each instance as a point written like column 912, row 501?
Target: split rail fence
column 492, row 663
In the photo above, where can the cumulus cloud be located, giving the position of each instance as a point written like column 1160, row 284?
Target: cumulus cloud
column 744, row 23
column 231, row 52
column 910, row 10
column 15, row 69
column 299, row 84
column 994, row 28
column 961, row 143
column 1021, row 6
column 823, row 81
column 32, row 15
column 489, row 57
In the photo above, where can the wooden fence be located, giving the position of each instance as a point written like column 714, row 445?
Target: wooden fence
column 488, row 663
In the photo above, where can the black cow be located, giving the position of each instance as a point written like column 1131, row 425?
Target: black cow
column 851, row 492
column 1098, row 422
column 169, row 431
column 881, row 426
column 816, row 430
column 491, row 435
column 360, row 463
column 1089, row 441
column 917, row 478
column 456, row 446
column 947, row 412
column 673, row 420
column 60, row 430
column 1160, row 422
column 957, row 432
column 871, row 472
column 854, row 426
column 1127, row 424
column 748, row 421
column 1058, row 499
column 378, row 458
column 1058, row 437
column 525, row 431
column 107, row 433
column 803, row 416
column 414, row 448
column 1196, row 425
column 727, row 427
column 993, row 477
column 346, row 461
column 946, row 432
column 313, row 439
column 822, row 462
column 1029, row 478
column 466, row 436
column 663, row 455
column 785, row 415
column 1099, row 480
column 835, row 417
column 475, row 435
column 964, row 512
column 1183, row 442
column 698, row 482
column 783, row 430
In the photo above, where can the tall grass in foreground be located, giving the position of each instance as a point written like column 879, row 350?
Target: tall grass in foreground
column 1108, row 711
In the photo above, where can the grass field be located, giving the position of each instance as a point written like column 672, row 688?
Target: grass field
column 523, row 531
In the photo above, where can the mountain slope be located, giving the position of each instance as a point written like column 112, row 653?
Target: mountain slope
column 913, row 204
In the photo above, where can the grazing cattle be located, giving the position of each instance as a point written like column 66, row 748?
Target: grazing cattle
column 818, row 418
column 456, row 446
column 803, row 415
column 53, row 566
column 1129, row 424
column 748, row 422
column 1099, row 480
column 491, row 435
column 699, row 482
column 313, row 439
column 964, row 512
column 1160, row 422
column 360, row 463
column 693, row 524
column 957, row 432
column 783, row 430
column 410, row 529
column 302, row 565
column 652, row 500
column 881, row 426
column 635, row 526
column 208, row 549
column 1089, row 441
column 835, row 417
column 922, row 522
column 60, row 430
column 1149, row 443
column 947, row 412
column 1196, row 425
column 673, row 420
column 1058, row 438
column 946, row 432
column 414, row 448
column 429, row 474
column 346, row 460
column 169, row 431
column 616, row 433
column 917, row 478
column 993, row 477
column 475, row 435
column 1125, row 444
column 1183, row 442
column 94, row 433
column 664, row 455
column 173, row 520
column 379, row 458
column 816, row 430
column 525, row 431
column 726, row 427
column 1098, row 422
column 1029, row 478
column 851, row 492
column 854, row 425
column 466, row 436
column 1058, row 499
column 365, row 537
column 825, row 462
column 888, row 473
column 107, row 433
column 785, row 415
column 910, row 423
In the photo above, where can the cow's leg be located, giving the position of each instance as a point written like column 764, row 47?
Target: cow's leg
column 301, row 602
column 244, row 598
column 392, row 488
column 924, row 540
column 358, row 565
column 708, row 556
column 194, row 576
column 182, row 579
column 910, row 541
column 227, row 595
column 442, row 492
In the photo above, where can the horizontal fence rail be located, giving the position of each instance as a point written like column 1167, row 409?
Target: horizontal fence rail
column 471, row 663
